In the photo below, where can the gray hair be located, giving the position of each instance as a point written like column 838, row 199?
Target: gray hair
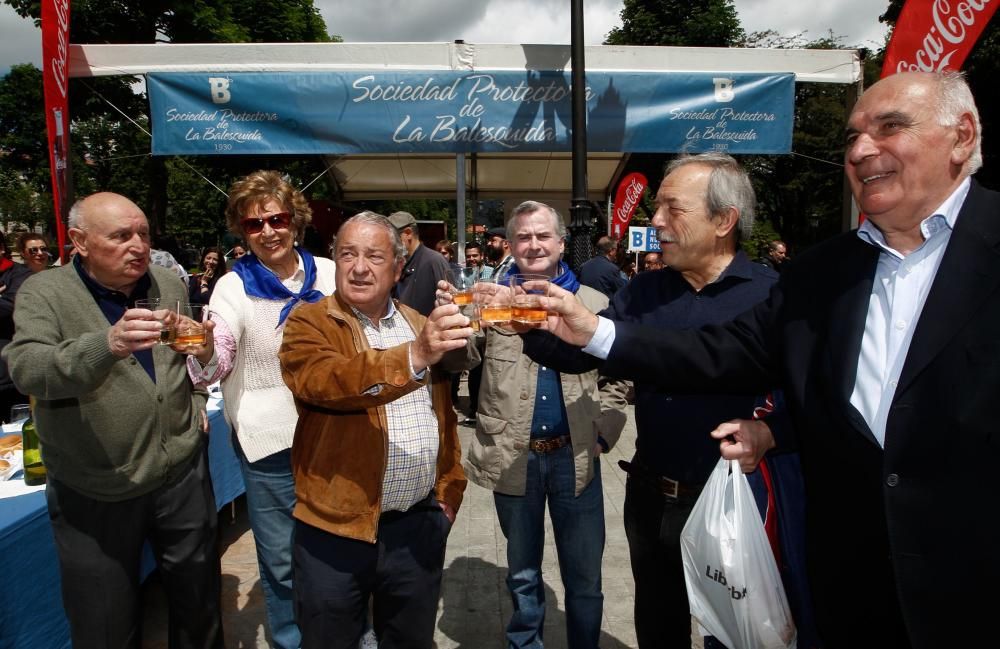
column 373, row 218
column 955, row 100
column 728, row 187
column 76, row 215
column 530, row 207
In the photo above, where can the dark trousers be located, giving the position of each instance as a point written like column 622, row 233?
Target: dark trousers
column 653, row 525
column 100, row 543
column 475, row 378
column 456, row 380
column 334, row 577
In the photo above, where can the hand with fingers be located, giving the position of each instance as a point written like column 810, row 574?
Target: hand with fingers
column 446, row 329
column 135, row 331
column 444, row 294
column 568, row 318
column 746, row 440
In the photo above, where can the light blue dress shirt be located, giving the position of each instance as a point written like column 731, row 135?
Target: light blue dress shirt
column 898, row 295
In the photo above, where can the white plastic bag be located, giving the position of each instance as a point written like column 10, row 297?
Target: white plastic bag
column 733, row 584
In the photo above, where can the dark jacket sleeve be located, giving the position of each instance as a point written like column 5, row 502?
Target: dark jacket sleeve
column 780, row 423
column 742, row 355
column 12, row 280
column 545, row 349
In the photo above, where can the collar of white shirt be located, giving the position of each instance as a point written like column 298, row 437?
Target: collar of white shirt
column 944, row 216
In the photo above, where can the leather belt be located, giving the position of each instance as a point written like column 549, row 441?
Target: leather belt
column 661, row 484
column 548, row 444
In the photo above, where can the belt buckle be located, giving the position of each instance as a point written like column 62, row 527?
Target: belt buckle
column 670, row 487
column 540, row 446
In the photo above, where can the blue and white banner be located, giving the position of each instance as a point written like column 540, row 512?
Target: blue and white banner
column 643, row 240
column 455, row 112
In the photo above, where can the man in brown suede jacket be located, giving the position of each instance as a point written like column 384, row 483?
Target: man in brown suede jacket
column 376, row 457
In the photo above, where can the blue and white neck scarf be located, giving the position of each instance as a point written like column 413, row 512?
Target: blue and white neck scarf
column 260, row 281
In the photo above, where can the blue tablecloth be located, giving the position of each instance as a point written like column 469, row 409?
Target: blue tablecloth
column 31, row 612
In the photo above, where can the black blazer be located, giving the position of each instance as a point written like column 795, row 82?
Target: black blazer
column 911, row 529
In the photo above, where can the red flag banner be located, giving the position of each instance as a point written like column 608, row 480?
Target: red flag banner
column 55, row 73
column 935, row 35
column 629, row 194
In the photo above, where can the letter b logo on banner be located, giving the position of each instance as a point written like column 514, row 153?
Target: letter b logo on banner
column 220, row 90
column 724, row 92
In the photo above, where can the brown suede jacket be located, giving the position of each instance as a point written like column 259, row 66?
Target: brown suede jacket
column 341, row 386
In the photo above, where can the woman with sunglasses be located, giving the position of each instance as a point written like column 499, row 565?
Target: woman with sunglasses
column 249, row 307
column 201, row 285
column 34, row 251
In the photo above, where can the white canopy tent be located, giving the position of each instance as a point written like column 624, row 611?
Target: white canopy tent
column 509, row 176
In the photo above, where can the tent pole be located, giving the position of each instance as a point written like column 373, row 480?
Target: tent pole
column 460, row 206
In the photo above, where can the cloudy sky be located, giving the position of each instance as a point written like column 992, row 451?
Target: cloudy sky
column 539, row 21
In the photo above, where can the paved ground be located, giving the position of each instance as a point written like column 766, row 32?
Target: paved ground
column 474, row 605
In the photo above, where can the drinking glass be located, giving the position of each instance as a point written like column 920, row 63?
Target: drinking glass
column 190, row 328
column 19, row 412
column 526, row 307
column 493, row 298
column 462, row 279
column 164, row 312
column 474, row 314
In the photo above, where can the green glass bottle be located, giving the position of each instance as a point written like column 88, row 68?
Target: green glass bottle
column 34, row 470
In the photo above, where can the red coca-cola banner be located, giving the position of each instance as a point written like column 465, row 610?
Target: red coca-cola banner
column 55, row 72
column 629, row 194
column 935, row 35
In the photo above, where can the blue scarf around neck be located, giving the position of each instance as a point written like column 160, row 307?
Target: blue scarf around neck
column 260, row 281
column 564, row 278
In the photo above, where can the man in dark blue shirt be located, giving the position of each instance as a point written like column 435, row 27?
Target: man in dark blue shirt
column 703, row 206
column 601, row 271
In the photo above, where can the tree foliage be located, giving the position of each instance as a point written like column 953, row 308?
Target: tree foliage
column 111, row 152
column 704, row 23
column 801, row 196
column 22, row 132
column 193, row 21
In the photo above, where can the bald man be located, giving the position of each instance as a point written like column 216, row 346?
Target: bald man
column 123, row 431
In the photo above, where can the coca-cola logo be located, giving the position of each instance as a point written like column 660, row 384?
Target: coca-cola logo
column 626, row 199
column 59, row 63
column 632, row 193
column 950, row 25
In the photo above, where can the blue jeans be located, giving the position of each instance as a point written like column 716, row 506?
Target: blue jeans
column 270, row 499
column 578, row 525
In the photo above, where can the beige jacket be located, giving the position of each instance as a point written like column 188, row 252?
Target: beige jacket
column 498, row 456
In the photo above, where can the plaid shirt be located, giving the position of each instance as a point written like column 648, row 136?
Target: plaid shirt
column 413, row 427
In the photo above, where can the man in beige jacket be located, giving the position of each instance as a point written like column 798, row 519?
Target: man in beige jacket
column 538, row 439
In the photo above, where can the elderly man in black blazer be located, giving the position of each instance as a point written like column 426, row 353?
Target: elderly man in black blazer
column 886, row 342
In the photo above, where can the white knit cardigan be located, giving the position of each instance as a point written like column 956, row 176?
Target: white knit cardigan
column 257, row 404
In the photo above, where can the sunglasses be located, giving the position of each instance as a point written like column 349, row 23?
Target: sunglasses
column 38, row 250
column 255, row 224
